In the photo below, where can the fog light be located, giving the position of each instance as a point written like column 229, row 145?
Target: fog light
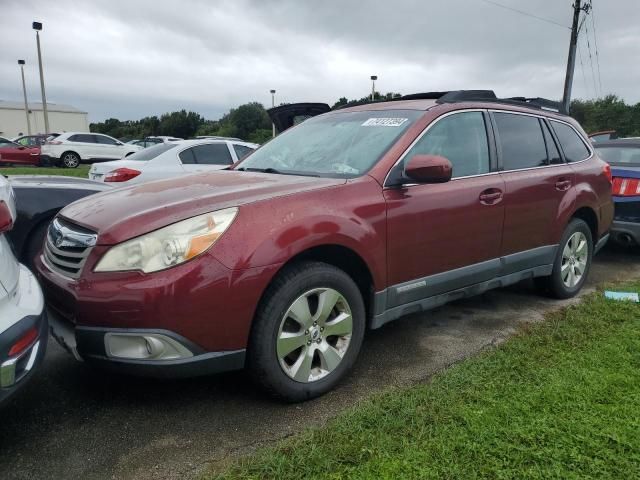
column 144, row 346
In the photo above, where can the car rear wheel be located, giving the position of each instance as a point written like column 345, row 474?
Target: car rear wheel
column 307, row 332
column 70, row 160
column 572, row 262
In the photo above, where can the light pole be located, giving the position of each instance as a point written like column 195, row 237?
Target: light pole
column 373, row 86
column 37, row 26
column 24, row 92
column 273, row 104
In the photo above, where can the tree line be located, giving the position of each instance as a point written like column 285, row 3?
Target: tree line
column 251, row 122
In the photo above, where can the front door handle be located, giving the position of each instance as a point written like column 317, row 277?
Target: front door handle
column 563, row 184
column 490, row 196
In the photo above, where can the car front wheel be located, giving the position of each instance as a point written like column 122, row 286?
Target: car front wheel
column 572, row 262
column 307, row 332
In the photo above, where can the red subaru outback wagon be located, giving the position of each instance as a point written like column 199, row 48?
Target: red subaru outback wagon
column 344, row 222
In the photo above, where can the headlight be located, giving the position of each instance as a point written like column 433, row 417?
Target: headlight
column 168, row 246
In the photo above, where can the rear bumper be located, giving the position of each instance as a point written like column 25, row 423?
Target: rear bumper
column 626, row 233
column 90, row 344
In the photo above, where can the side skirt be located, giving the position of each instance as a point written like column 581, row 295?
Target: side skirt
column 436, row 290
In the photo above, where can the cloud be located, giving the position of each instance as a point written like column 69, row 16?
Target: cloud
column 130, row 59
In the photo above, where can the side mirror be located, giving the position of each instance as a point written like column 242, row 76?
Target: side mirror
column 429, row 169
column 21, row 147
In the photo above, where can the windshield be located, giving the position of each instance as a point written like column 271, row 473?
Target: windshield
column 151, row 152
column 343, row 145
column 622, row 155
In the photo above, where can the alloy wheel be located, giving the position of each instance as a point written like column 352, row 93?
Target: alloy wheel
column 70, row 160
column 314, row 335
column 574, row 259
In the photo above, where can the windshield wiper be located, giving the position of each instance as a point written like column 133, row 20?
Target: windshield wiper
column 276, row 171
column 261, row 170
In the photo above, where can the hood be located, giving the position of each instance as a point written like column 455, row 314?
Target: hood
column 286, row 116
column 128, row 212
column 46, row 182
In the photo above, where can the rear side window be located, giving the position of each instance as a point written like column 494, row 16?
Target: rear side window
column 242, row 151
column 552, row 149
column 572, row 145
column 213, row 154
column 82, row 137
column 187, row 157
column 520, row 141
column 462, row 138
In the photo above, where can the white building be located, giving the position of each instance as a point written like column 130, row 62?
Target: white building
column 62, row 118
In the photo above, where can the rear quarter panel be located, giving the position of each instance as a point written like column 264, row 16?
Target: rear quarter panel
column 593, row 190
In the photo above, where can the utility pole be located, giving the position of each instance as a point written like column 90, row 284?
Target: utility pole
column 571, row 61
column 37, row 26
column 24, row 92
column 373, row 86
column 273, row 104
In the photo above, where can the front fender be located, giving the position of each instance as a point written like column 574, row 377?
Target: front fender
column 270, row 232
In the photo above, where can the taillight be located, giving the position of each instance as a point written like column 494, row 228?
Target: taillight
column 607, row 171
column 626, row 187
column 6, row 220
column 121, row 175
column 24, row 342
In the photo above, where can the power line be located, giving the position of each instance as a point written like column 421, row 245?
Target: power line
column 584, row 76
column 595, row 41
column 593, row 73
column 525, row 13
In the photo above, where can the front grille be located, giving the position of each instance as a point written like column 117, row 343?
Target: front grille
column 67, row 247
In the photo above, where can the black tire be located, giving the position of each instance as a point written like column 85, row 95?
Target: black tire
column 34, row 244
column 293, row 283
column 69, row 160
column 554, row 285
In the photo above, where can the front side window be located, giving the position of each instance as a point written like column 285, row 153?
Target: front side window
column 104, row 140
column 520, row 141
column 462, row 138
column 213, row 154
column 338, row 144
column 81, row 137
column 572, row 145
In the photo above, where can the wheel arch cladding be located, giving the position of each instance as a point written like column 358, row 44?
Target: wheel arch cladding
column 340, row 257
column 590, row 218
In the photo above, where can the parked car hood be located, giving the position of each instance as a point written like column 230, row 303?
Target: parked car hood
column 131, row 211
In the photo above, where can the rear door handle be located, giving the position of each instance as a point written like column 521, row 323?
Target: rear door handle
column 563, row 184
column 490, row 196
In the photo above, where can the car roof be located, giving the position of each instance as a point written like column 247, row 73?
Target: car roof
column 201, row 141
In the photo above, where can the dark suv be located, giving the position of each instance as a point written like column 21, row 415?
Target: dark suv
column 344, row 222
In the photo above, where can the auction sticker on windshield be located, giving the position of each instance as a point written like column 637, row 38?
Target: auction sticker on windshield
column 384, row 122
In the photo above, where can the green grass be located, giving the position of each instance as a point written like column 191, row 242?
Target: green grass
column 81, row 171
column 560, row 400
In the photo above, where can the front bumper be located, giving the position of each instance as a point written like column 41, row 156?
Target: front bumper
column 91, row 344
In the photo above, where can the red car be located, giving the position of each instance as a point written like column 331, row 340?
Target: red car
column 347, row 221
column 13, row 153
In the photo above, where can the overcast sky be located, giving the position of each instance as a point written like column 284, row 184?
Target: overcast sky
column 132, row 58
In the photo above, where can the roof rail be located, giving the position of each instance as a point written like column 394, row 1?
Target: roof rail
column 454, row 96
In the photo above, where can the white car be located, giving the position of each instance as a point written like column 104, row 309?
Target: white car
column 69, row 149
column 172, row 159
column 23, row 321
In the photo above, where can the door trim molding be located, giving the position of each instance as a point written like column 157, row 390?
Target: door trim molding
column 429, row 292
